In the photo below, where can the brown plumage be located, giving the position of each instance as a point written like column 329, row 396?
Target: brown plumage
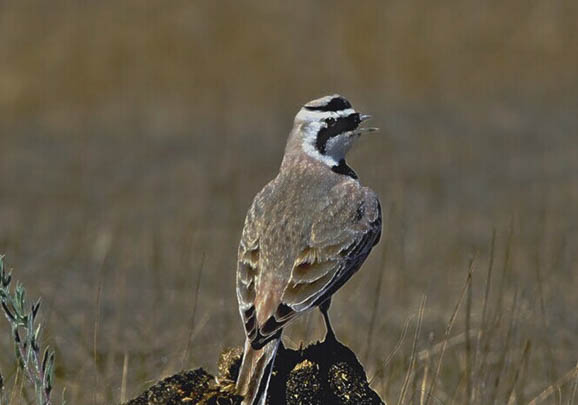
column 306, row 233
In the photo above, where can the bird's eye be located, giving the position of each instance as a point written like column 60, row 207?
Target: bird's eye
column 330, row 122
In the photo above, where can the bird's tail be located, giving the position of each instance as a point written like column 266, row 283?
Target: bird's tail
column 255, row 372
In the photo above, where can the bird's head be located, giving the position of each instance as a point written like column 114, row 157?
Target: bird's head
column 327, row 127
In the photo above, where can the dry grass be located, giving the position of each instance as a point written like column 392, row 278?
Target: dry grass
column 133, row 137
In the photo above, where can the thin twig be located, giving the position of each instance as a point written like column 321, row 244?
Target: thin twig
column 431, row 391
column 506, row 350
column 398, row 344
column 102, row 251
column 523, row 360
column 412, row 360
column 123, row 380
column 544, row 319
column 468, row 371
column 574, row 387
column 488, row 279
column 377, row 294
column 573, row 373
column 423, row 385
column 506, row 268
column 194, row 311
column 393, row 352
column 482, row 330
column 438, row 347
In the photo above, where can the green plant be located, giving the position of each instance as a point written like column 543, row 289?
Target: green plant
column 38, row 368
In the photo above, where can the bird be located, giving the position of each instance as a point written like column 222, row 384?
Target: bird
column 305, row 234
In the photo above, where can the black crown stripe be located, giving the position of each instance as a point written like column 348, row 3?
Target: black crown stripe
column 336, row 104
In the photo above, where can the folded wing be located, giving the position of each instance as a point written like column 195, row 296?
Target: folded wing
column 343, row 233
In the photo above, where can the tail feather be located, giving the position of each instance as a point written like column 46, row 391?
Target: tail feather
column 255, row 372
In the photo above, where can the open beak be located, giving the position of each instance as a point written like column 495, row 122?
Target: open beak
column 362, row 118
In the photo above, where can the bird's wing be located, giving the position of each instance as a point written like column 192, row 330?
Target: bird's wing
column 346, row 227
column 344, row 232
column 248, row 263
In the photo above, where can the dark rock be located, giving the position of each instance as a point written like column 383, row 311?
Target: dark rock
column 349, row 385
column 188, row 387
column 229, row 364
column 321, row 374
column 304, row 385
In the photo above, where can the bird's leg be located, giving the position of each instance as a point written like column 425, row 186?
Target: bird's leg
column 324, row 308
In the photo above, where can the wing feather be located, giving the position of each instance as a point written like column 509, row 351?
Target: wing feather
column 346, row 227
column 341, row 240
column 248, row 264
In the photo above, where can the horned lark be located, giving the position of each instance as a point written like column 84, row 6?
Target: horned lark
column 306, row 233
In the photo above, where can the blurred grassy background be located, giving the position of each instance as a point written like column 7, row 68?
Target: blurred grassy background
column 133, row 136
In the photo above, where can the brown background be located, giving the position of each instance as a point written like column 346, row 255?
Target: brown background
column 134, row 134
